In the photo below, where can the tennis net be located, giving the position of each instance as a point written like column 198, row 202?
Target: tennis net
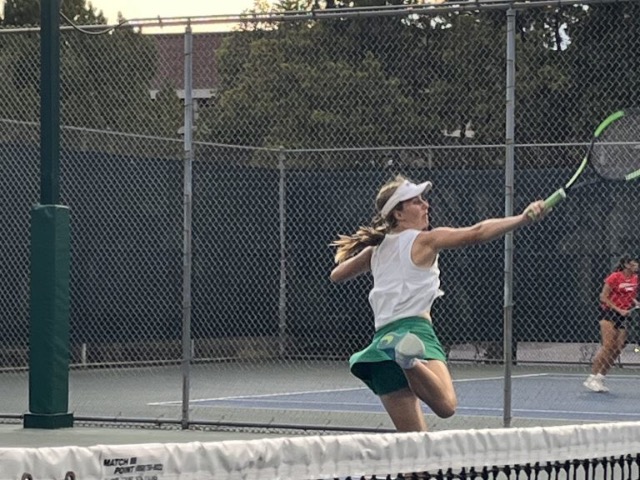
column 607, row 451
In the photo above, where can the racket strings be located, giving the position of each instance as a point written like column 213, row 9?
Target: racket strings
column 616, row 153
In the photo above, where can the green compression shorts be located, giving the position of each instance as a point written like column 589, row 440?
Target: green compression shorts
column 383, row 375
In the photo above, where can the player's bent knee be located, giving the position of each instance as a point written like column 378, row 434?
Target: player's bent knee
column 445, row 412
column 446, row 409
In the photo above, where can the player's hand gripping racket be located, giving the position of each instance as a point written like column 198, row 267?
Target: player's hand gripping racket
column 614, row 153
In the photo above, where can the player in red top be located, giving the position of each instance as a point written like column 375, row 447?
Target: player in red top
column 617, row 298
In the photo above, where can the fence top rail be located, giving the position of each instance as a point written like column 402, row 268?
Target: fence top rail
column 314, row 14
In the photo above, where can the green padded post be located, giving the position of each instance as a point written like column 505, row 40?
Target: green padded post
column 49, row 327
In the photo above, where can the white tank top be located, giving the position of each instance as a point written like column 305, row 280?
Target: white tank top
column 400, row 287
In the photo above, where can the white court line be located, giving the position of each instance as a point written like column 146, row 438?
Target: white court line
column 489, row 409
column 584, row 375
column 305, row 392
column 528, row 410
column 264, row 395
column 526, row 375
column 311, row 403
column 253, row 397
column 521, row 411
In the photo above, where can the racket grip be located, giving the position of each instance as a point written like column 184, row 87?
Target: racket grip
column 551, row 201
column 555, row 198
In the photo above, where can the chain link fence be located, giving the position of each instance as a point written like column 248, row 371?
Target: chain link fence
column 297, row 122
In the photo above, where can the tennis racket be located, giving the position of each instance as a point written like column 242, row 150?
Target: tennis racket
column 614, row 153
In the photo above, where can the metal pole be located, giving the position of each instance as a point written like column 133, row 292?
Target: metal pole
column 50, row 103
column 50, row 251
column 187, row 204
column 508, row 211
column 282, row 303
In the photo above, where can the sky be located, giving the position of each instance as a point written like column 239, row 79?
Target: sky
column 132, row 9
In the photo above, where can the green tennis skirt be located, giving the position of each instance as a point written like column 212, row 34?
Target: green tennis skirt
column 384, row 376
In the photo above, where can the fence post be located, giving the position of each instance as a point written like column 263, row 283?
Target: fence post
column 187, row 230
column 508, row 210
column 50, row 252
column 282, row 301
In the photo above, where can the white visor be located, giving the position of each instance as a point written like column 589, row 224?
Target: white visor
column 405, row 191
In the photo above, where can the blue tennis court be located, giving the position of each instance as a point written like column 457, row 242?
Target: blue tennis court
column 535, row 396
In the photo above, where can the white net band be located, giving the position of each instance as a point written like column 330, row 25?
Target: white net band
column 324, row 457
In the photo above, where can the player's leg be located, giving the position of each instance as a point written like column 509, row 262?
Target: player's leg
column 428, row 379
column 619, row 340
column 432, row 383
column 404, row 409
column 605, row 358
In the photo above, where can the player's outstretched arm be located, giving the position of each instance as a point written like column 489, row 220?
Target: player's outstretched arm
column 353, row 266
column 482, row 232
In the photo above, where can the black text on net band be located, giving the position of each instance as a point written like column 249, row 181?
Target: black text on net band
column 614, row 152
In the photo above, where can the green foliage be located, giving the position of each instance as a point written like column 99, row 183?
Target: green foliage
column 105, row 84
column 21, row 12
column 425, row 80
column 27, row 12
column 287, row 88
column 605, row 62
column 353, row 83
column 19, row 83
column 82, row 13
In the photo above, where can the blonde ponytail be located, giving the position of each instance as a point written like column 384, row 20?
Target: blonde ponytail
column 350, row 245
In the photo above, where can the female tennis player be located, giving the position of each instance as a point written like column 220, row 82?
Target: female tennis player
column 617, row 298
column 405, row 362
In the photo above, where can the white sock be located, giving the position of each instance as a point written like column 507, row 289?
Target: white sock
column 409, row 351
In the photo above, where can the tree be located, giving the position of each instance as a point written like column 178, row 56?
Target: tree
column 27, row 12
column 403, row 81
column 21, row 12
column 20, row 87
column 281, row 88
column 576, row 64
column 604, row 55
column 105, row 83
column 543, row 79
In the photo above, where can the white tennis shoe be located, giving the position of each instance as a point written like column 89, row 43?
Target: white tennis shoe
column 406, row 350
column 595, row 383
